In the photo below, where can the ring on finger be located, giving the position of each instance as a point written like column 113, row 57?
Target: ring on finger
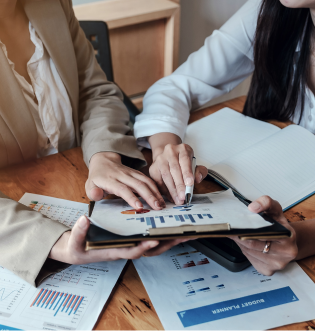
column 267, row 247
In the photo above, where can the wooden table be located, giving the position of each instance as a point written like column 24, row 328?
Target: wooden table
column 63, row 176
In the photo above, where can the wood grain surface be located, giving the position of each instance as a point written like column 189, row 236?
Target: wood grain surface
column 63, row 176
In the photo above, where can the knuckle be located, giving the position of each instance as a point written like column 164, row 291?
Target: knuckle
column 186, row 173
column 266, row 200
column 279, row 265
column 188, row 149
column 180, row 186
column 169, row 148
column 292, row 252
column 154, row 172
column 120, row 189
column 150, row 197
column 174, row 166
column 251, row 244
column 165, row 174
column 140, row 184
column 149, row 181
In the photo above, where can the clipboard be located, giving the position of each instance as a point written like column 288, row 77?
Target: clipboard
column 98, row 238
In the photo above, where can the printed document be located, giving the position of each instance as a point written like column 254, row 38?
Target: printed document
column 70, row 300
column 213, row 208
column 190, row 291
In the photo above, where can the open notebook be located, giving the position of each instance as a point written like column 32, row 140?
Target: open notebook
column 255, row 158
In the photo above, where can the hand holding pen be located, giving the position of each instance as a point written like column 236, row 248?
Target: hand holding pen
column 172, row 166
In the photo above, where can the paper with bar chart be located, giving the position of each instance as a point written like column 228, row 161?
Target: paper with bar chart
column 214, row 208
column 190, row 291
column 69, row 300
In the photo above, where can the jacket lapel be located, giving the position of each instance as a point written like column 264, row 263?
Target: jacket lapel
column 50, row 22
column 15, row 113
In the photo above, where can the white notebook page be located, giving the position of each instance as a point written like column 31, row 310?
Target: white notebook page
column 281, row 166
column 224, row 134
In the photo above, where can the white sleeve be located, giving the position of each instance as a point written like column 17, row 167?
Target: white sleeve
column 225, row 60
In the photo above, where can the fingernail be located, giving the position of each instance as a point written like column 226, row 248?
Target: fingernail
column 157, row 205
column 139, row 205
column 83, row 224
column 255, row 206
column 182, row 195
column 189, row 181
column 199, row 177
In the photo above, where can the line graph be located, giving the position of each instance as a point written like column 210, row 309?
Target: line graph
column 3, row 295
column 11, row 291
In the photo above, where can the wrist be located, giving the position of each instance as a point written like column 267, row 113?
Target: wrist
column 114, row 157
column 59, row 250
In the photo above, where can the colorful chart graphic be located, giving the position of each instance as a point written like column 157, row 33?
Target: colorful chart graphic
column 180, row 264
column 189, row 264
column 190, row 218
column 203, row 261
column 135, row 211
column 59, row 302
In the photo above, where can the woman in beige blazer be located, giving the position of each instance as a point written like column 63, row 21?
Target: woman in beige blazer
column 97, row 122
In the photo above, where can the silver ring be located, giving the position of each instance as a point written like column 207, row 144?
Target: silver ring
column 267, row 247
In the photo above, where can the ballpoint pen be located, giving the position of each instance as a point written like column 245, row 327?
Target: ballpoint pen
column 190, row 189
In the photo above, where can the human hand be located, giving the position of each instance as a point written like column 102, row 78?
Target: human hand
column 70, row 248
column 281, row 252
column 107, row 175
column 172, row 166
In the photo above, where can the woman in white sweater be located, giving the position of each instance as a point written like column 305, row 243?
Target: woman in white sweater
column 271, row 39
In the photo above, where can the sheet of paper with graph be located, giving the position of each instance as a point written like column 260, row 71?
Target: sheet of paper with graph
column 69, row 300
column 213, row 208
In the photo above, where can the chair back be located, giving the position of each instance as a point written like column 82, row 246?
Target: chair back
column 97, row 33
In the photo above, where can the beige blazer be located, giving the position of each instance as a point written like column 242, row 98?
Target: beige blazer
column 100, row 119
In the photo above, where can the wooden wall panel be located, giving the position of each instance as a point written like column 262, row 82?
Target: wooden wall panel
column 138, row 55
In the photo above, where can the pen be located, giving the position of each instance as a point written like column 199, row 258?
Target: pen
column 190, row 189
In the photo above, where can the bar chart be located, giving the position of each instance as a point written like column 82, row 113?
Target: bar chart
column 58, row 302
column 156, row 220
column 183, row 262
column 60, row 305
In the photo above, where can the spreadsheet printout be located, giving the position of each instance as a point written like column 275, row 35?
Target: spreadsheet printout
column 190, row 291
column 69, row 300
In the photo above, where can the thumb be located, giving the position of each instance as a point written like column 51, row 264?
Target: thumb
column 78, row 233
column 93, row 192
column 201, row 174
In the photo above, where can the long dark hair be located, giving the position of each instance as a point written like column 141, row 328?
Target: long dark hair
column 280, row 77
